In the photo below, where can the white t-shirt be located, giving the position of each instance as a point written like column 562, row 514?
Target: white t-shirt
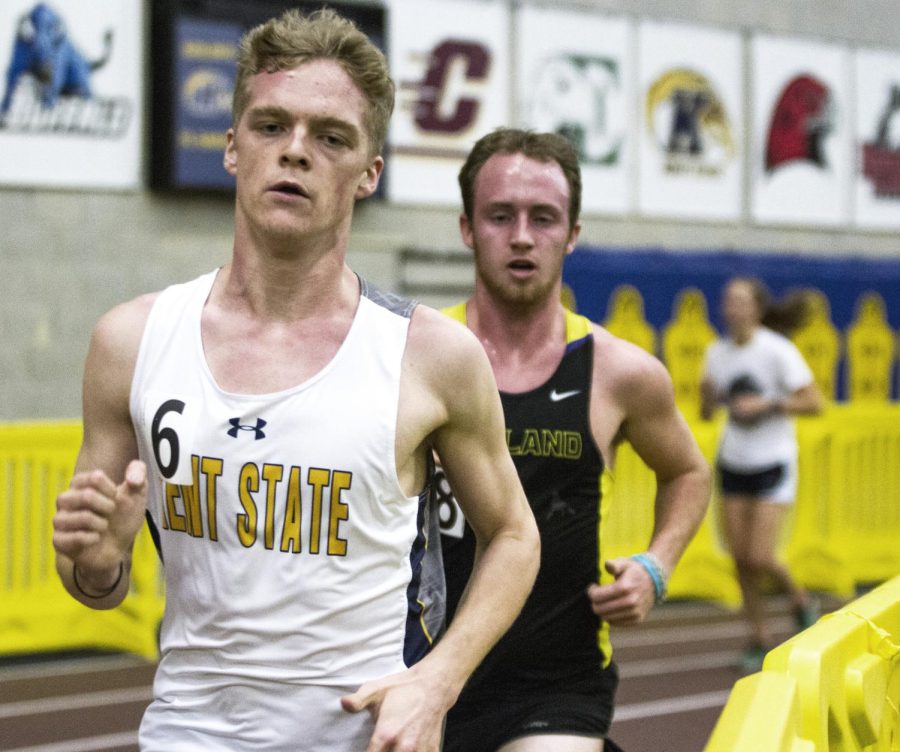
column 768, row 364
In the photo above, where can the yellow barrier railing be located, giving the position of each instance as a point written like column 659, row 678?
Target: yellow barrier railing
column 36, row 462
column 706, row 570
column 844, row 529
column 834, row 687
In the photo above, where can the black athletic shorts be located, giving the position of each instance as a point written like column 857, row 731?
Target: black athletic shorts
column 756, row 483
column 486, row 723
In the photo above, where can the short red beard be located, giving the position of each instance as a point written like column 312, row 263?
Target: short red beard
column 522, row 295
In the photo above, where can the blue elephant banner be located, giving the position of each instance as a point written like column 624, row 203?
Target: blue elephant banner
column 70, row 113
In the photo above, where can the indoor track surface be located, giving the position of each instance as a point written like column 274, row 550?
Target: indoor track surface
column 676, row 673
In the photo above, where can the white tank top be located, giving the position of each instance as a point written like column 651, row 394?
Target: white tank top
column 290, row 552
column 770, row 365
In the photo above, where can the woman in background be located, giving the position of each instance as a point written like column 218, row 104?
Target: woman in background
column 761, row 378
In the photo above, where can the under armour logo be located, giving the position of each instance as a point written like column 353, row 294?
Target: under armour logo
column 236, row 426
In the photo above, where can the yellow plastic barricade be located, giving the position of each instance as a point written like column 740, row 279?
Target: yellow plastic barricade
column 706, row 570
column 685, row 340
column 863, row 503
column 834, row 687
column 820, row 343
column 870, row 351
column 625, row 318
column 36, row 462
column 844, row 529
column 763, row 713
column 812, row 547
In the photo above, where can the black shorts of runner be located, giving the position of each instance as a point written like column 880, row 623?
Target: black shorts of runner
column 486, row 723
column 755, row 483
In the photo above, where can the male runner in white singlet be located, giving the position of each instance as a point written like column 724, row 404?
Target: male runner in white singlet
column 275, row 420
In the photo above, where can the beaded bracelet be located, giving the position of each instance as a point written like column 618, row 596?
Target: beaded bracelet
column 105, row 592
column 655, row 569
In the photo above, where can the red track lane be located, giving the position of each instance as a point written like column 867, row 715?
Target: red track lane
column 676, row 671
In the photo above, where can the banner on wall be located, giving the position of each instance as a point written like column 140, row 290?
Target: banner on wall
column 574, row 77
column 205, row 51
column 690, row 122
column 801, row 155
column 877, row 180
column 193, row 76
column 70, row 114
column 450, row 62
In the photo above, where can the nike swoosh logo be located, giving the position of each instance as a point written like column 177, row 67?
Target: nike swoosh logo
column 557, row 396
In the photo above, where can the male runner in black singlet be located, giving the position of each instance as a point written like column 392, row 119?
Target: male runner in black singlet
column 571, row 392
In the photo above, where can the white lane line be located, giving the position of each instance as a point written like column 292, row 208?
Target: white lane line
column 89, row 744
column 75, row 702
column 671, row 706
column 690, row 612
column 71, row 667
column 623, row 638
column 678, row 664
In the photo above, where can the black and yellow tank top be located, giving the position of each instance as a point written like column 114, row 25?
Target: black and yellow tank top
column 557, row 636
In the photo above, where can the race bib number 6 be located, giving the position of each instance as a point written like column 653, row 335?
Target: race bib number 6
column 168, row 431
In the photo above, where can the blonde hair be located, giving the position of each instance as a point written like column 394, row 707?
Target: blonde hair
column 292, row 39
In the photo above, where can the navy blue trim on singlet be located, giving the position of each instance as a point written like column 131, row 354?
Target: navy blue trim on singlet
column 576, row 343
column 423, row 593
column 154, row 534
column 391, row 301
column 417, row 641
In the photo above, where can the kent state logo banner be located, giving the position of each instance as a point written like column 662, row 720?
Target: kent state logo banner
column 687, row 118
column 70, row 113
column 450, row 62
column 691, row 121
